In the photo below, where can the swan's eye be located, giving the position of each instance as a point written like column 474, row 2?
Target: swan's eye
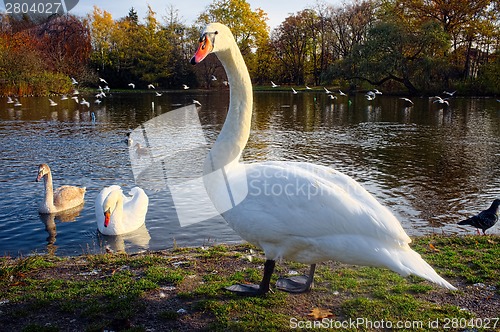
column 204, row 41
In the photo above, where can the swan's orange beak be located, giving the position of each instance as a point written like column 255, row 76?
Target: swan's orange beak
column 204, row 49
column 106, row 218
column 39, row 177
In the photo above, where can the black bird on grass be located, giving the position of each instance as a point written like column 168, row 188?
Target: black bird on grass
column 485, row 219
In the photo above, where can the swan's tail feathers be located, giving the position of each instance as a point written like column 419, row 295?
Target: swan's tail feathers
column 413, row 263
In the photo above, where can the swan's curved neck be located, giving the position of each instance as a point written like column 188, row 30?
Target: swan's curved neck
column 236, row 130
column 117, row 212
column 49, row 190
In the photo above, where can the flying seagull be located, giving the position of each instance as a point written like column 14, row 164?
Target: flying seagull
column 407, row 100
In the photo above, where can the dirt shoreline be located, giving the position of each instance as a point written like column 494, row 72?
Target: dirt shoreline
column 182, row 290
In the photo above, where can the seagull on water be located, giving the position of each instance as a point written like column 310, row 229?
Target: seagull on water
column 159, row 94
column 327, row 91
column 196, row 102
column 185, row 87
column 73, row 81
column 151, row 86
column 274, row 85
column 102, row 80
column 52, row 103
column 294, row 92
column 132, row 85
column 9, row 100
column 341, row 93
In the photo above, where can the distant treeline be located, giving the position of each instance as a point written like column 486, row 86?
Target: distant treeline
column 416, row 46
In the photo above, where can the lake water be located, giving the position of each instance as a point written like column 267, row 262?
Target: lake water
column 431, row 166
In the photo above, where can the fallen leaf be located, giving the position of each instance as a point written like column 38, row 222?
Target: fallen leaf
column 433, row 248
column 318, row 313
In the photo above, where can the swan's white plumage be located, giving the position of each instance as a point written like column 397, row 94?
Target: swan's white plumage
column 128, row 213
column 298, row 211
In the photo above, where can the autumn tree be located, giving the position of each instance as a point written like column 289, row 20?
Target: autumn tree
column 102, row 27
column 263, row 63
column 180, row 38
column 38, row 58
column 291, row 42
column 248, row 26
column 469, row 25
column 349, row 25
column 66, row 44
column 394, row 53
column 322, row 42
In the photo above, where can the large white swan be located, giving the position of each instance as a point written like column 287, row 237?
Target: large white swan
column 61, row 199
column 295, row 210
column 118, row 214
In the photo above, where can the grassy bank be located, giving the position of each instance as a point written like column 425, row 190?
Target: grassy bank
column 182, row 290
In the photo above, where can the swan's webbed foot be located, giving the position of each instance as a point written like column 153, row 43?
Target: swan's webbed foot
column 246, row 289
column 297, row 284
column 255, row 290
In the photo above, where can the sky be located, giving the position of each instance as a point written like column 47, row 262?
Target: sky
column 189, row 10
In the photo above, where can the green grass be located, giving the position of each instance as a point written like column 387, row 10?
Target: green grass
column 97, row 290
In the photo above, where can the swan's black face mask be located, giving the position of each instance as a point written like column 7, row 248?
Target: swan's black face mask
column 207, row 41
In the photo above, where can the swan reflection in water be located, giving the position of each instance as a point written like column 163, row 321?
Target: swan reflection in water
column 138, row 239
column 49, row 220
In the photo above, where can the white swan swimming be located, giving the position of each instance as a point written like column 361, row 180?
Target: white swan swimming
column 118, row 214
column 63, row 198
column 295, row 210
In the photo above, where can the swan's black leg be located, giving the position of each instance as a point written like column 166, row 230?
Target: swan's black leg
column 252, row 289
column 297, row 284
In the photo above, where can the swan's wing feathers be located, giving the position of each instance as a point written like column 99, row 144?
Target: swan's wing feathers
column 137, row 204
column 308, row 200
column 65, row 194
column 357, row 200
